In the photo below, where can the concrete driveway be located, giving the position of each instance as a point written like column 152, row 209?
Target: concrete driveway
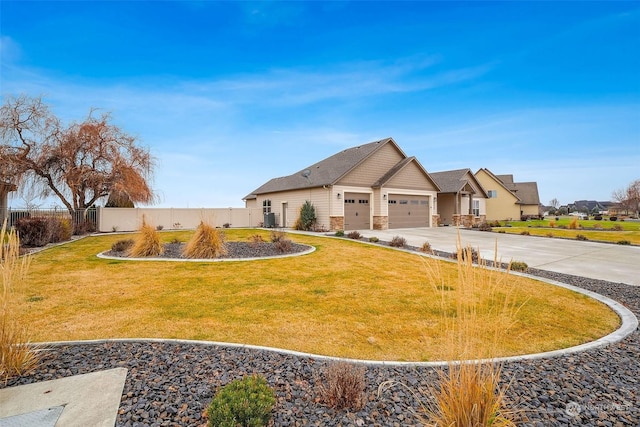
column 603, row 261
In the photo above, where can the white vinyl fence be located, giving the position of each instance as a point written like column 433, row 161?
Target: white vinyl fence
column 130, row 219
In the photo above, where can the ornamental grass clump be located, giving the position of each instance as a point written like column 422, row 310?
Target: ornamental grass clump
column 17, row 356
column 207, row 242
column 242, row 403
column 147, row 243
column 468, row 392
column 343, row 386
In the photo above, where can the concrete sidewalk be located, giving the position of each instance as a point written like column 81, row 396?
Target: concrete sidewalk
column 603, row 261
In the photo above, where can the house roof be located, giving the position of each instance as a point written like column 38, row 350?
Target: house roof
column 398, row 167
column 499, row 182
column 330, row 170
column 527, row 192
column 454, row 181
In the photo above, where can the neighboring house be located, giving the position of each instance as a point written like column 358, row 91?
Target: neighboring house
column 461, row 199
column 5, row 189
column 371, row 186
column 527, row 192
column 589, row 206
column 508, row 200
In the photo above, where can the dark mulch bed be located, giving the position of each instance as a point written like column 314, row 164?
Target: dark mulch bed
column 235, row 250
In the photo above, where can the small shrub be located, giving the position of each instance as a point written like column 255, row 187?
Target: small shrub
column 60, row 229
column 355, row 235
column 464, row 253
column 159, row 227
column 398, row 242
column 613, row 218
column 623, row 242
column 276, row 236
column 552, row 224
column 549, row 234
column 617, row 227
column 426, row 248
column 484, row 227
column 206, row 243
column 33, row 231
column 147, row 243
column 495, row 223
column 256, row 239
column 597, row 217
column 339, row 233
column 343, row 386
column 573, row 225
column 175, row 241
column 518, row 266
column 242, row 403
column 374, row 239
column 597, row 226
column 581, row 237
column 122, row 245
column 525, row 233
column 226, row 225
column 283, row 245
column 307, row 218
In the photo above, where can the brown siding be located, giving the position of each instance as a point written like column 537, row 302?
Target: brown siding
column 373, row 168
column 411, row 177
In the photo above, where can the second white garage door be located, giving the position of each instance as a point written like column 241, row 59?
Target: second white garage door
column 408, row 211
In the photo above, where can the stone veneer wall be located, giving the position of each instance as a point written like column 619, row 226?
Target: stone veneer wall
column 380, row 222
column 435, row 220
column 336, row 223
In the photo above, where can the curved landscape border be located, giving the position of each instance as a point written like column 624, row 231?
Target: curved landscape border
column 294, row 254
column 629, row 323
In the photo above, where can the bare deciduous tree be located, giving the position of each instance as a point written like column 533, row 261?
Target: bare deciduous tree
column 629, row 198
column 80, row 163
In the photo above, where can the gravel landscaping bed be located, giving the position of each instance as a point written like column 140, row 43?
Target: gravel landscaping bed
column 171, row 384
column 235, row 250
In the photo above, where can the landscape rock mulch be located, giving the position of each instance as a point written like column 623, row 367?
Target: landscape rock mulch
column 235, row 250
column 171, row 384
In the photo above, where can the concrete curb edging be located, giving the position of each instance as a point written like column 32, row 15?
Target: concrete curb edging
column 628, row 319
column 295, row 254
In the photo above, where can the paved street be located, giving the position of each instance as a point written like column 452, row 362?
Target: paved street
column 615, row 263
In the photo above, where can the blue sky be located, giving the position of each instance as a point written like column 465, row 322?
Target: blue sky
column 230, row 94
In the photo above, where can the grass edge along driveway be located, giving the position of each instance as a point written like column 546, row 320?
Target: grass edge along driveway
column 345, row 299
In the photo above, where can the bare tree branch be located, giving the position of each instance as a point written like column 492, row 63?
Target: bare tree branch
column 80, row 164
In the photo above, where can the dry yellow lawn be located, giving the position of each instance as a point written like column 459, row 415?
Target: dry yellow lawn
column 346, row 299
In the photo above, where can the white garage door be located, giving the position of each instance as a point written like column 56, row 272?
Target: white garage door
column 408, row 211
column 356, row 211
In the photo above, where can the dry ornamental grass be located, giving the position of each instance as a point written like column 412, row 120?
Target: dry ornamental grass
column 16, row 356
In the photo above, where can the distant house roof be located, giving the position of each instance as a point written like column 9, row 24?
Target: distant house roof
column 330, row 170
column 590, row 205
column 454, row 181
column 527, row 192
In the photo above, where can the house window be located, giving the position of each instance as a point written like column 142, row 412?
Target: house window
column 266, row 206
column 476, row 207
column 363, row 201
column 393, row 202
column 404, row 202
column 492, row 194
column 349, row 201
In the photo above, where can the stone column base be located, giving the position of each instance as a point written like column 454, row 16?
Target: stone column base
column 380, row 222
column 336, row 223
